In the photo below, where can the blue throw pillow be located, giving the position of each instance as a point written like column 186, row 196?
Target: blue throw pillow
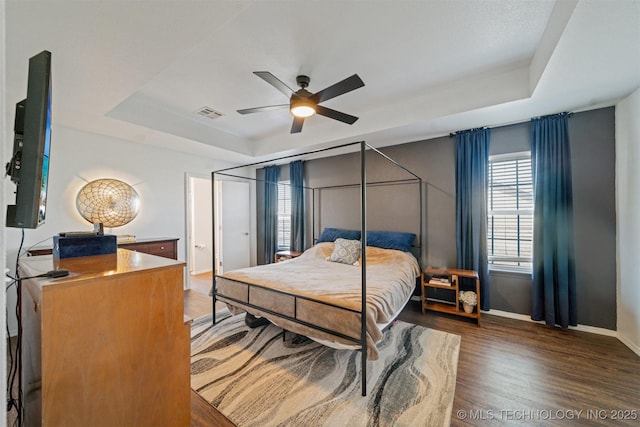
column 331, row 234
column 391, row 240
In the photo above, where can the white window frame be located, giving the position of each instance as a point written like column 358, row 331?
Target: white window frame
column 284, row 216
column 527, row 212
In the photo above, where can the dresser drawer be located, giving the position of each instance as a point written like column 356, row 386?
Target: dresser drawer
column 165, row 249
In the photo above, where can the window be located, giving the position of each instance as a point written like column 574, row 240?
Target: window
column 510, row 213
column 284, row 216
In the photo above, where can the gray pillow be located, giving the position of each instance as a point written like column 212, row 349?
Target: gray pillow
column 345, row 251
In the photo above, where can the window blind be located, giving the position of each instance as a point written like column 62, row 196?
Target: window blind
column 284, row 215
column 510, row 213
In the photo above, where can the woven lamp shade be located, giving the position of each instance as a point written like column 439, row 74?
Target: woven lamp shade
column 108, row 201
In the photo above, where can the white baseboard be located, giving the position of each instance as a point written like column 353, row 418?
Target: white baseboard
column 195, row 273
column 584, row 328
column 634, row 347
column 527, row 318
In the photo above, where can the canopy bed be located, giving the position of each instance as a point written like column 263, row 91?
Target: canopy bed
column 323, row 292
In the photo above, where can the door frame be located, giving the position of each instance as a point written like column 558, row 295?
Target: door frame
column 250, row 174
column 188, row 176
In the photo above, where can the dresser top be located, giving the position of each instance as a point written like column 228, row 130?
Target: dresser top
column 91, row 267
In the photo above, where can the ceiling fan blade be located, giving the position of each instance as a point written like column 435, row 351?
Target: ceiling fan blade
column 261, row 109
column 347, row 85
column 296, row 127
column 337, row 115
column 275, row 82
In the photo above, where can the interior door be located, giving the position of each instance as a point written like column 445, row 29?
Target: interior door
column 235, row 225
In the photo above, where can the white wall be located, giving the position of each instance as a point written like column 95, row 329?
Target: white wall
column 628, row 219
column 77, row 157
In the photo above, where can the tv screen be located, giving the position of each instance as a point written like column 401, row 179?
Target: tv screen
column 29, row 165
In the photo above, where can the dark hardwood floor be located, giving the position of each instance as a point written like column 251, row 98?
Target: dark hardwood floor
column 197, row 303
column 514, row 372
column 510, row 372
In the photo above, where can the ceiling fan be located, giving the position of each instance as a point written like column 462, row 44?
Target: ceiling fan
column 303, row 103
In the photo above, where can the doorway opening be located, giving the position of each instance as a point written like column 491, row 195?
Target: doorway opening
column 234, row 221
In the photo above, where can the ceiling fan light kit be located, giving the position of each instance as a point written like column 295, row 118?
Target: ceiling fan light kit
column 302, row 108
column 303, row 103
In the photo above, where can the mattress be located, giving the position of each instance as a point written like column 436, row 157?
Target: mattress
column 321, row 299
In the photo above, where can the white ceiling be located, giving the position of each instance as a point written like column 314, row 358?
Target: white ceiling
column 139, row 70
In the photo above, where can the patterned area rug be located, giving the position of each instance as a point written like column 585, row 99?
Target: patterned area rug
column 255, row 378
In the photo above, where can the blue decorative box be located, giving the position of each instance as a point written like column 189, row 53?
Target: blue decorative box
column 81, row 246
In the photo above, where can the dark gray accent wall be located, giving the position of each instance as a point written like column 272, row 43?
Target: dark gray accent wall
column 592, row 139
column 592, row 135
column 395, row 208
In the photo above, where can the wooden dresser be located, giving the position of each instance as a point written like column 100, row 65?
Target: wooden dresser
column 107, row 345
column 163, row 246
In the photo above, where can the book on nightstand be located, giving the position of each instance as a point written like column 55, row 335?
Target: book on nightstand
column 442, row 281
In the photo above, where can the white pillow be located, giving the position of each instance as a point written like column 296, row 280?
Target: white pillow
column 345, row 251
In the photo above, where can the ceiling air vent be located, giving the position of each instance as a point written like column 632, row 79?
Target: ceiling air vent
column 209, row 113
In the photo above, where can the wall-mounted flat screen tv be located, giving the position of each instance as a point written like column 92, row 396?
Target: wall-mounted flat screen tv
column 29, row 164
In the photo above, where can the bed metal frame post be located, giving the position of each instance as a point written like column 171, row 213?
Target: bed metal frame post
column 420, row 242
column 313, row 217
column 363, row 265
column 213, row 241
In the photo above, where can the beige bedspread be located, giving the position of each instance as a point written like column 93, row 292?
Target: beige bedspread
column 390, row 282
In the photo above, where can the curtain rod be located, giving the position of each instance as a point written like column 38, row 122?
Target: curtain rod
column 452, row 134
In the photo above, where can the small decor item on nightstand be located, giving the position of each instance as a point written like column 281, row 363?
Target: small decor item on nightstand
column 469, row 300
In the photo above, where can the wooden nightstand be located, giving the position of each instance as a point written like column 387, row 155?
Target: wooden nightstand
column 451, row 283
column 285, row 255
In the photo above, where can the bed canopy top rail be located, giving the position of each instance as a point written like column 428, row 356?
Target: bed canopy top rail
column 317, row 151
column 415, row 179
column 369, row 184
column 363, row 184
column 290, row 156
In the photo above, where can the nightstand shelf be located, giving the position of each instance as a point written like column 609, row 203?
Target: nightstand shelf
column 450, row 276
column 285, row 255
